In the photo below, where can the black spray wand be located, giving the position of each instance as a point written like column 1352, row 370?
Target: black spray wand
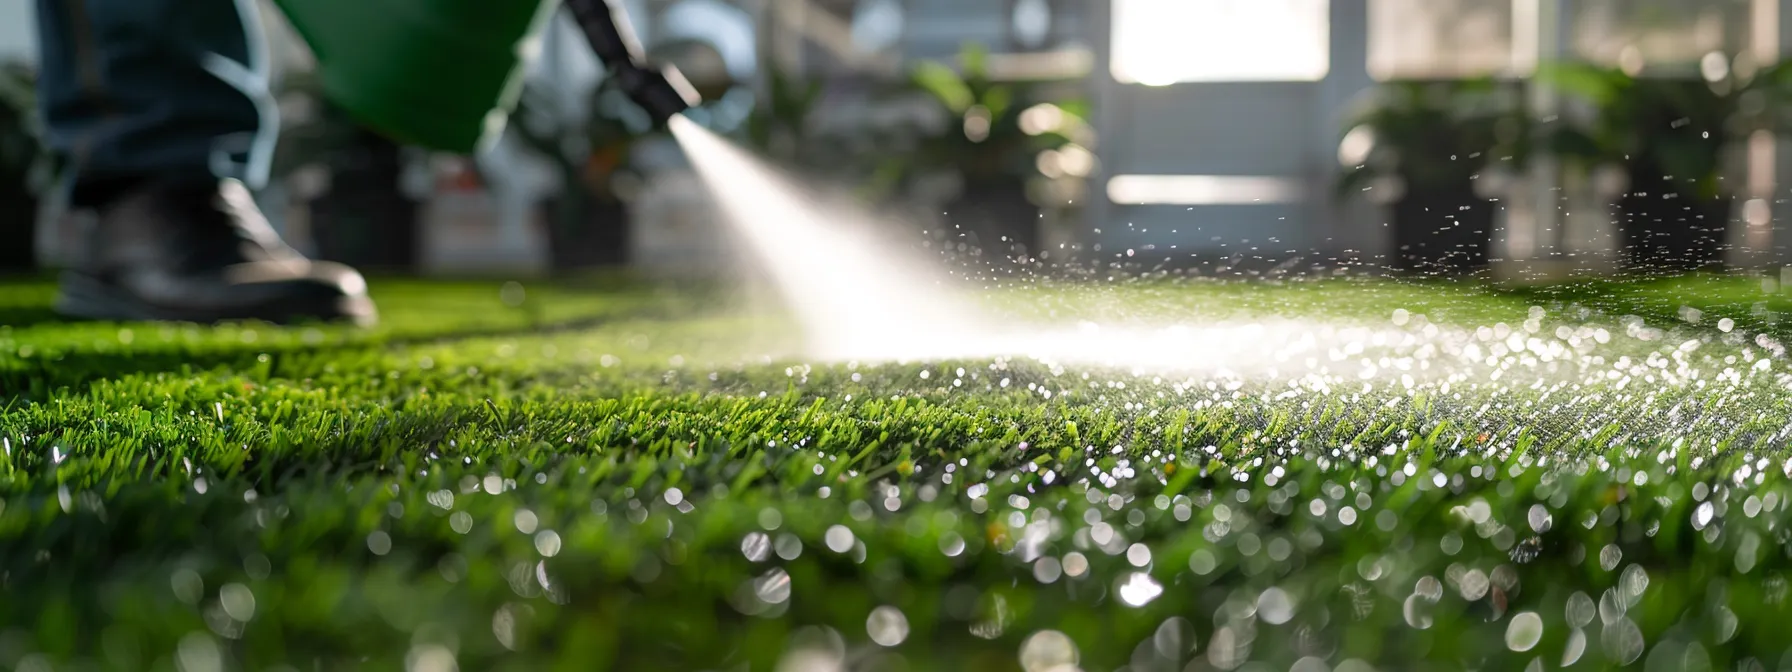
column 661, row 90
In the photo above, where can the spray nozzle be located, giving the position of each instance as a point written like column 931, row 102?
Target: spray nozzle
column 662, row 91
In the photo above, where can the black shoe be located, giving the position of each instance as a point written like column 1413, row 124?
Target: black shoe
column 202, row 252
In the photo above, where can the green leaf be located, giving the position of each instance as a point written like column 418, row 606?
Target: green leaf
column 945, row 85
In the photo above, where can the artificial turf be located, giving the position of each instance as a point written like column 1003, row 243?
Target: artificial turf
column 631, row 476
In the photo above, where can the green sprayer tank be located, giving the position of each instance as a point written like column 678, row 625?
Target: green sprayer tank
column 431, row 73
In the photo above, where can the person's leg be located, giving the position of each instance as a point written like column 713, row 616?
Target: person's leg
column 163, row 111
column 135, row 88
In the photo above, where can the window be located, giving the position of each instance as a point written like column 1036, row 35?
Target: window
column 1161, row 42
column 877, row 25
column 1030, row 23
column 1434, row 39
column 1655, row 34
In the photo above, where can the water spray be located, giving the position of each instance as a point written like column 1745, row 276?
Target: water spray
column 857, row 296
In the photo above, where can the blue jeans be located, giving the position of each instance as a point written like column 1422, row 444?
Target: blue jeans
column 144, row 89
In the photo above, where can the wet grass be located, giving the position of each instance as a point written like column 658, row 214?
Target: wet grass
column 633, row 477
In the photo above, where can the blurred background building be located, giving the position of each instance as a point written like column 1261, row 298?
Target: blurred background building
column 1141, row 130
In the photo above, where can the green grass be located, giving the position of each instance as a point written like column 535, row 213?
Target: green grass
column 635, row 477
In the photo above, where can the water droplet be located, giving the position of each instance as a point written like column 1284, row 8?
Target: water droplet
column 1609, row 557
column 238, row 601
column 1635, row 582
column 952, row 544
column 430, row 658
column 1418, row 611
column 1075, row 564
column 788, row 546
column 1138, row 555
column 1202, row 562
column 839, row 539
column 1622, row 641
column 756, row 546
column 198, row 652
column 1702, row 515
column 772, row 587
column 1275, row 606
column 1581, row 610
column 188, row 587
column 1174, row 638
column 1048, row 651
column 1429, row 588
column 379, row 543
column 887, row 626
column 1575, row 648
column 1540, row 519
column 1138, row 589
column 547, row 543
column 1525, row 630
column 1612, row 606
column 1227, row 651
column 1725, row 624
column 1474, row 585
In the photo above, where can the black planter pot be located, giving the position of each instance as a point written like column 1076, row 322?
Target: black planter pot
column 1664, row 230
column 594, row 235
column 997, row 217
column 18, row 230
column 366, row 219
column 1442, row 231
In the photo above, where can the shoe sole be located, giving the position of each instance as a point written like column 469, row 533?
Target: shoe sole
column 82, row 297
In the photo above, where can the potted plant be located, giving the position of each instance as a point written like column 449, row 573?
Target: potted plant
column 1422, row 148
column 362, row 217
column 986, row 145
column 1668, row 138
column 24, row 167
column 588, row 219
